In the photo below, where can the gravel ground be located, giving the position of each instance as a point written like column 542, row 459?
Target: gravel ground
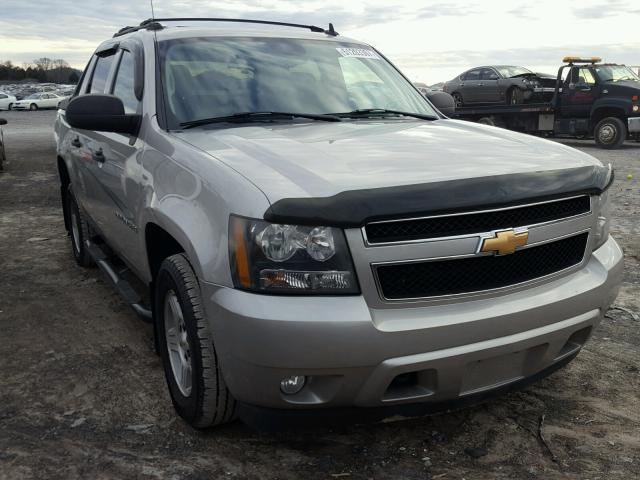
column 83, row 396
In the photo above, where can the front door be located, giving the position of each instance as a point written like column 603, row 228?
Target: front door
column 579, row 91
column 117, row 159
column 488, row 86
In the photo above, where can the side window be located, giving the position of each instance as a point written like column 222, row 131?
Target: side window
column 488, row 74
column 472, row 75
column 86, row 76
column 585, row 77
column 101, row 74
column 124, row 84
column 2, row 95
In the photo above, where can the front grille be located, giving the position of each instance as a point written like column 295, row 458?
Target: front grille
column 447, row 277
column 467, row 223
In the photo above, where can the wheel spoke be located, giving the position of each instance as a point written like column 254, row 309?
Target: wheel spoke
column 174, row 304
column 172, row 340
column 185, row 372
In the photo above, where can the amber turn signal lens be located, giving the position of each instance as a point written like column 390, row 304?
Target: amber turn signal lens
column 242, row 259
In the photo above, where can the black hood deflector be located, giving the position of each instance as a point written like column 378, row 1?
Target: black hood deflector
column 354, row 208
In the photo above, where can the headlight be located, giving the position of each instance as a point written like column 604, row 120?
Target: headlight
column 603, row 209
column 276, row 258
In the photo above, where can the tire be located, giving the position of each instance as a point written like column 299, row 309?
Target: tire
column 194, row 378
column 78, row 231
column 458, row 99
column 10, row 107
column 610, row 133
column 515, row 96
column 33, row 106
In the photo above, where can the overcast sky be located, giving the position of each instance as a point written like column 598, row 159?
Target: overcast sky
column 429, row 41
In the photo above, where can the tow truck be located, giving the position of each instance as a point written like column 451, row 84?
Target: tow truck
column 591, row 99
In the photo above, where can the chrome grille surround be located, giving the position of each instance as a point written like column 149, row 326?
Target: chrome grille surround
column 367, row 258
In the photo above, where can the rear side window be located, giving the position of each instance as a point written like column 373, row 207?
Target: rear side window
column 2, row 95
column 101, row 74
column 124, row 84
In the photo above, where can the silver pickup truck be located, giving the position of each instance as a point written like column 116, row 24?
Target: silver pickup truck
column 306, row 231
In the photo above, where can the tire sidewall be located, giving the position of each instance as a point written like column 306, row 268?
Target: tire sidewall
column 619, row 127
column 168, row 279
column 74, row 210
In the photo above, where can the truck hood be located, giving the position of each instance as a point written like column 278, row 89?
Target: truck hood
column 623, row 87
column 320, row 159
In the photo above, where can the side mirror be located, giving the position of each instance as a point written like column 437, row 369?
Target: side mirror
column 104, row 113
column 3, row 121
column 443, row 102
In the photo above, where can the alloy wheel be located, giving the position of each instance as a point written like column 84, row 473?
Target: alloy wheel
column 177, row 343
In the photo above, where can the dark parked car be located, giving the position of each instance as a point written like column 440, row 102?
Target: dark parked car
column 500, row 84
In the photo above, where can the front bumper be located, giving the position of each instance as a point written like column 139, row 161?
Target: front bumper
column 633, row 124
column 357, row 356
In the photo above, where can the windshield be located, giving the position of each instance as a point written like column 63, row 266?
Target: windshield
column 217, row 77
column 508, row 71
column 615, row 73
column 33, row 96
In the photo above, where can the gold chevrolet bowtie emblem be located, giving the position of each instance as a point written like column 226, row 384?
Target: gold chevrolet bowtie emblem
column 505, row 242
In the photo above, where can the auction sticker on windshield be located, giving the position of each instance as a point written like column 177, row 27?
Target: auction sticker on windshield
column 357, row 53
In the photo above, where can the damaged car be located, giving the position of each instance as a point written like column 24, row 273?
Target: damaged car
column 503, row 84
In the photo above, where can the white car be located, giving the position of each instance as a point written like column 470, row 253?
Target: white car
column 39, row 100
column 6, row 101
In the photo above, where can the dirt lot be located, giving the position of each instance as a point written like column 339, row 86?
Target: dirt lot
column 83, row 396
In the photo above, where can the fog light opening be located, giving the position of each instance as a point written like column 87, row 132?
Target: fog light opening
column 293, row 384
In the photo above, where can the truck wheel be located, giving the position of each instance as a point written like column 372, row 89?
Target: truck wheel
column 610, row 133
column 197, row 388
column 515, row 96
column 79, row 231
column 457, row 98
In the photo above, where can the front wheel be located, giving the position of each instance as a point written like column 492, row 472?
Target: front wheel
column 515, row 96
column 610, row 133
column 10, row 107
column 196, row 385
column 33, row 106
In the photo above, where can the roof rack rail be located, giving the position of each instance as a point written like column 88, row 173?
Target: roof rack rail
column 148, row 25
column 154, row 24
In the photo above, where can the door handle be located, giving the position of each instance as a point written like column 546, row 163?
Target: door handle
column 98, row 156
column 76, row 142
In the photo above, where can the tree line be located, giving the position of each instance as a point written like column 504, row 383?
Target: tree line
column 40, row 70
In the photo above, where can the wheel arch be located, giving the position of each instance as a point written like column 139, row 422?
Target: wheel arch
column 603, row 111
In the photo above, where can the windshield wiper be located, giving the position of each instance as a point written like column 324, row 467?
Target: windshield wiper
column 367, row 112
column 249, row 116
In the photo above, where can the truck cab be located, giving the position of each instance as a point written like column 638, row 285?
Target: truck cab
column 599, row 99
